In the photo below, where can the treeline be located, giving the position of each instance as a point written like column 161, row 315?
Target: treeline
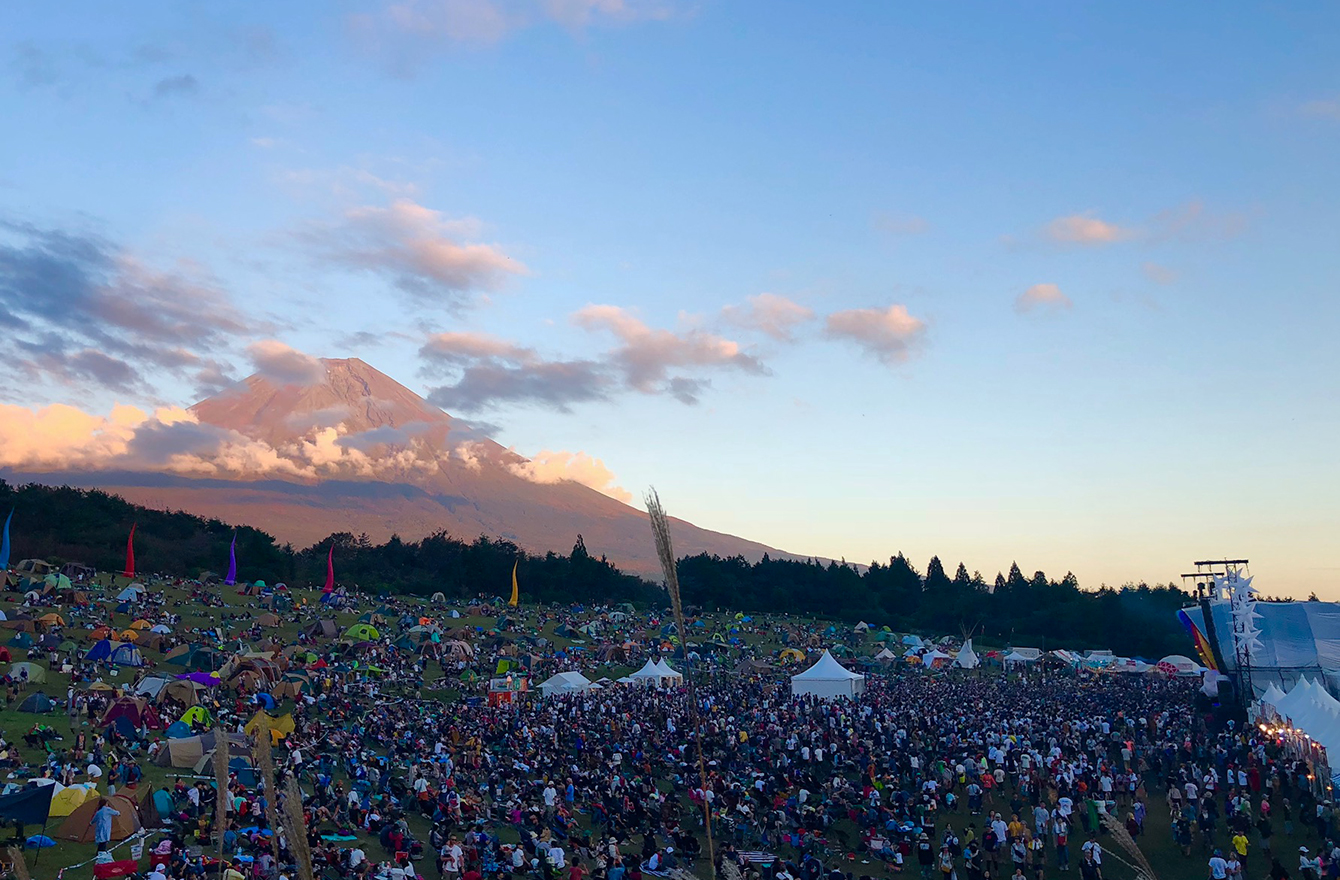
column 90, row 526
column 1011, row 609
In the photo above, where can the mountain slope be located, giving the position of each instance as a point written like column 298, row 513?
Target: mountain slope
column 359, row 452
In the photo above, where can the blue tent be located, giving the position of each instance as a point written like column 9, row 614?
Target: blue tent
column 100, row 651
column 22, row 640
column 177, row 730
column 246, row 774
column 265, row 700
column 123, row 608
column 125, row 727
column 127, row 655
column 163, row 803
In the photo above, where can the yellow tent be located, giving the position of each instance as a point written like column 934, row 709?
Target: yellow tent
column 128, row 636
column 791, row 654
column 64, row 802
column 280, row 726
column 141, row 624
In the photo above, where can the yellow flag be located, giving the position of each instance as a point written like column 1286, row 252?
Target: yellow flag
column 512, row 601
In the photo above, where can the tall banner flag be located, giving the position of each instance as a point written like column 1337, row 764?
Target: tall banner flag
column 330, row 570
column 4, row 543
column 232, row 561
column 130, row 553
column 512, row 601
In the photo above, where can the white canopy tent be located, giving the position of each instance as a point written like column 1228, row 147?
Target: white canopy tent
column 1020, row 658
column 827, row 679
column 565, row 683
column 932, row 656
column 668, row 675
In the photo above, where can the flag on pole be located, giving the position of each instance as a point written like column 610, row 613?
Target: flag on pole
column 515, row 596
column 232, row 561
column 130, row 553
column 4, row 543
column 330, row 570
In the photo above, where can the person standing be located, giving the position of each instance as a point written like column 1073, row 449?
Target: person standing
column 102, row 824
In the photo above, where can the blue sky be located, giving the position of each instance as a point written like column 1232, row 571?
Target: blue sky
column 1049, row 283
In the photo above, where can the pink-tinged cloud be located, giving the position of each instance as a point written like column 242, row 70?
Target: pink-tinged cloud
column 1042, row 297
column 770, row 314
column 889, row 334
column 1087, row 230
column 284, row 365
column 1158, row 274
column 459, row 347
column 418, row 249
column 646, row 355
column 577, row 467
column 1192, row 222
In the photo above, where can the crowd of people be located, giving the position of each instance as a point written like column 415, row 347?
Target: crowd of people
column 937, row 774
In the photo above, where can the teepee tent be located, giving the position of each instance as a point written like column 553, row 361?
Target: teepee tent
column 827, row 679
column 967, row 658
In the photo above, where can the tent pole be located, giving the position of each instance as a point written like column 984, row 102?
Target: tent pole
column 37, row 858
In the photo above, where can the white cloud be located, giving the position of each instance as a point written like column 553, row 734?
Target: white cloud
column 578, row 467
column 1158, row 274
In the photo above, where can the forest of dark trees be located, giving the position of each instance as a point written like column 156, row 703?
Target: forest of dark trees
column 88, row 526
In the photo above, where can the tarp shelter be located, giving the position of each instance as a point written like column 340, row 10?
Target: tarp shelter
column 565, row 682
column 827, row 679
column 28, row 806
column 30, row 672
column 79, row 826
column 967, row 657
column 38, row 704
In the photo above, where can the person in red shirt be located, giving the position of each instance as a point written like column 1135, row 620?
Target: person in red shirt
column 576, row 871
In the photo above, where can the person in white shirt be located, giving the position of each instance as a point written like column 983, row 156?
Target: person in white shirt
column 1218, row 867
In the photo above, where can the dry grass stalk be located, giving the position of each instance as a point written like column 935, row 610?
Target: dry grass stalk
column 265, row 766
column 1144, row 871
column 20, row 865
column 220, row 764
column 665, row 551
column 295, row 828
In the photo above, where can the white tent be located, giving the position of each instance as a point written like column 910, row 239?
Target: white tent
column 914, row 641
column 827, row 678
column 1309, row 708
column 129, row 594
column 657, row 674
column 566, row 683
column 932, row 656
column 668, row 675
column 1183, row 664
column 861, row 627
column 886, row 654
column 967, row 658
column 1019, row 657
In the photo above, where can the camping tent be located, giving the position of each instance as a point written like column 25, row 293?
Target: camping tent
column 65, row 801
column 967, row 658
column 79, row 826
column 38, row 704
column 35, row 674
column 827, row 679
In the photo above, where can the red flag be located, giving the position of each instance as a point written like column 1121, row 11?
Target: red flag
column 330, row 570
column 130, row 553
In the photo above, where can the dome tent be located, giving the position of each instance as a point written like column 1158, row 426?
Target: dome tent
column 827, row 679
